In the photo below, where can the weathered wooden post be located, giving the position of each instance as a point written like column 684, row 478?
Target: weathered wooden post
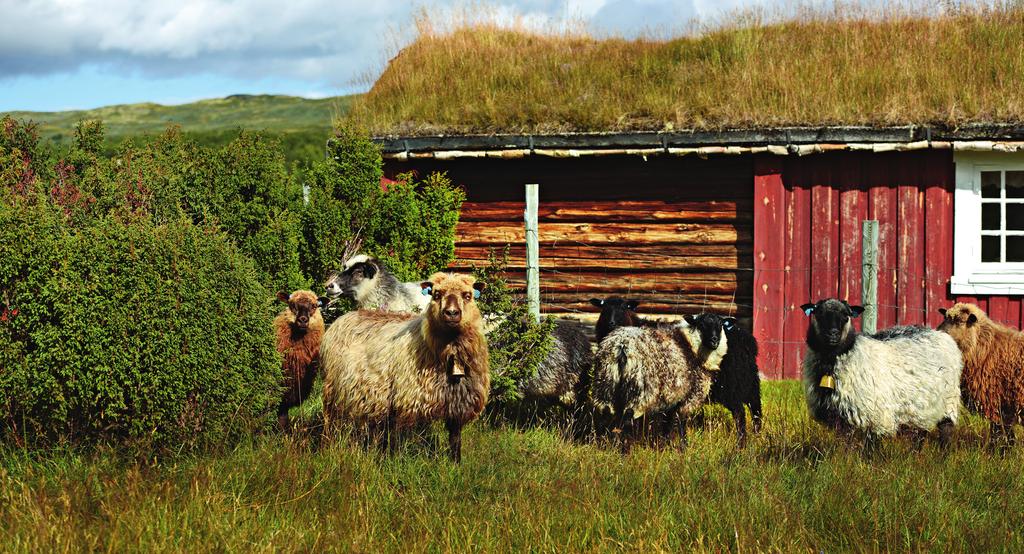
column 532, row 253
column 869, row 276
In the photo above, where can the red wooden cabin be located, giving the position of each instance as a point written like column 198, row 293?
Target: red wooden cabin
column 749, row 223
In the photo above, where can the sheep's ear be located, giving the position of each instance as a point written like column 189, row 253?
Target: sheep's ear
column 479, row 286
column 427, row 288
column 597, row 302
column 857, row 310
column 322, row 301
column 283, row 296
column 692, row 320
column 631, row 304
column 972, row 319
column 942, row 311
column 369, row 270
column 728, row 323
column 808, row 309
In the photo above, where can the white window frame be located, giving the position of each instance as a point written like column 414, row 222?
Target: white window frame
column 970, row 276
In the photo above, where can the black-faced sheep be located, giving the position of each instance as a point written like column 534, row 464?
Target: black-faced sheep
column 369, row 282
column 299, row 329
column 392, row 371
column 992, row 383
column 900, row 377
column 617, row 312
column 736, row 384
column 664, row 370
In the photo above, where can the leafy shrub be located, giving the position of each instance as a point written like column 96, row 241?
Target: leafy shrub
column 127, row 330
column 516, row 343
column 408, row 224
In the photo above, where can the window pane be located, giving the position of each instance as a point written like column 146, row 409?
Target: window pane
column 1014, row 218
column 1015, row 249
column 990, row 184
column 1015, row 184
column 990, row 217
column 990, row 248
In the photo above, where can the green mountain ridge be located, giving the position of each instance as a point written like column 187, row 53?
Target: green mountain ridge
column 265, row 112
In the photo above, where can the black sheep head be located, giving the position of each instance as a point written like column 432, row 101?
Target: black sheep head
column 710, row 327
column 615, row 312
column 831, row 327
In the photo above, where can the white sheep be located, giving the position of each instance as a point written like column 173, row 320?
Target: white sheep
column 903, row 376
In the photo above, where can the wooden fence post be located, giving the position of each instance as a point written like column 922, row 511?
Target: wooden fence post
column 532, row 253
column 869, row 276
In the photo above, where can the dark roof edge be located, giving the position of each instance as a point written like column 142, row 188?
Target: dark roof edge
column 690, row 139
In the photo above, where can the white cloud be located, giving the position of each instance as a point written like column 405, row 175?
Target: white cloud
column 329, row 43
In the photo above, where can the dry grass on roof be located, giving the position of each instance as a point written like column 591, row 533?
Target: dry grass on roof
column 845, row 67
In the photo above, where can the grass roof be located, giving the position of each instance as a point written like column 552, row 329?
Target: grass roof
column 845, row 67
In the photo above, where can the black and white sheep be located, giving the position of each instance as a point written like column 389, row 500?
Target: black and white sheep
column 737, row 383
column 900, row 377
column 369, row 282
column 665, row 370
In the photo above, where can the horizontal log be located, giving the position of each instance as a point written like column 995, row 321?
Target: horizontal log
column 624, row 262
column 710, row 210
column 483, row 233
column 640, row 252
column 660, row 309
column 608, row 283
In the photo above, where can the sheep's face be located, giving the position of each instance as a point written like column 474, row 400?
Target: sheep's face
column 303, row 308
column 615, row 312
column 710, row 328
column 961, row 322
column 453, row 299
column 355, row 280
column 831, row 323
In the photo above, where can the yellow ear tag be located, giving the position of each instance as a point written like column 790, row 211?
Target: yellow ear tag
column 827, row 382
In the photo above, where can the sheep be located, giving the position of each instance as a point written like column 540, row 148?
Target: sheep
column 992, row 383
column 299, row 328
column 563, row 375
column 390, row 371
column 736, row 384
column 369, row 282
column 663, row 370
column 901, row 377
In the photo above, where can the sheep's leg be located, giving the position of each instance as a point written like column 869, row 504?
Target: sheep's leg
column 668, row 424
column 755, row 413
column 454, row 440
column 739, row 415
column 945, row 432
column 1009, row 419
column 282, row 417
column 681, row 421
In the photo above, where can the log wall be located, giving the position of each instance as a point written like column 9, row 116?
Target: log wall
column 674, row 233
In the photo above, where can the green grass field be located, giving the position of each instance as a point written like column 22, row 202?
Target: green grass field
column 795, row 488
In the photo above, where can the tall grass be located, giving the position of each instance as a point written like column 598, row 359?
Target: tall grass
column 796, row 487
column 846, row 65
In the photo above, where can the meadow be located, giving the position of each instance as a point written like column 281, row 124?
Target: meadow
column 796, row 487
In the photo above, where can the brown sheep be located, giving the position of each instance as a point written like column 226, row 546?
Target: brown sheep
column 992, row 383
column 388, row 372
column 299, row 328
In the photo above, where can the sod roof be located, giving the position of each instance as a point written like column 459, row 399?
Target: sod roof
column 960, row 67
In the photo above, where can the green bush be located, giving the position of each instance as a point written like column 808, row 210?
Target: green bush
column 130, row 331
column 517, row 344
column 409, row 224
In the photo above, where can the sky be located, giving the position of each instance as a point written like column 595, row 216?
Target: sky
column 74, row 54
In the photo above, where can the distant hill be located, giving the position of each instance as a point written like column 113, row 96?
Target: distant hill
column 302, row 125
column 279, row 114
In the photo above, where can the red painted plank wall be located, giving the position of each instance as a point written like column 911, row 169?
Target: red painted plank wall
column 807, row 243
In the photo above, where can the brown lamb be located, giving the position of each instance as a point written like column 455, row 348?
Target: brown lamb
column 386, row 372
column 299, row 328
column 992, row 382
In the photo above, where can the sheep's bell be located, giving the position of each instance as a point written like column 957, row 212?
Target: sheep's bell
column 827, row 382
